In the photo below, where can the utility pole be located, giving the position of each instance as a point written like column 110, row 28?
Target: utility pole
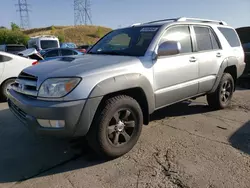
column 82, row 12
column 24, row 14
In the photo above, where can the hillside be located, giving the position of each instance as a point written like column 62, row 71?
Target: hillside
column 77, row 34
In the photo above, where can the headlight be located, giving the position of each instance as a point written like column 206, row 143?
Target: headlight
column 57, row 87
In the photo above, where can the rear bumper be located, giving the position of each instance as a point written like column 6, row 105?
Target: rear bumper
column 28, row 110
column 241, row 69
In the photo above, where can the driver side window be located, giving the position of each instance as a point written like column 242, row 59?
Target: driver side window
column 180, row 34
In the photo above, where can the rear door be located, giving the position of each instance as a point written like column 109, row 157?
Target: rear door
column 3, row 60
column 1, row 66
column 209, row 55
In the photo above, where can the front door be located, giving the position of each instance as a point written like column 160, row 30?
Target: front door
column 176, row 76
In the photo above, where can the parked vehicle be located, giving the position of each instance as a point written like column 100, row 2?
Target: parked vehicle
column 56, row 53
column 31, row 53
column 12, row 48
column 109, row 93
column 43, row 42
column 68, row 45
column 244, row 34
column 10, row 67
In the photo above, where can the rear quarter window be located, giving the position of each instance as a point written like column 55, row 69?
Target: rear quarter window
column 231, row 36
column 4, row 58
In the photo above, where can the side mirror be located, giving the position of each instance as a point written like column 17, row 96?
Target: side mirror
column 169, row 48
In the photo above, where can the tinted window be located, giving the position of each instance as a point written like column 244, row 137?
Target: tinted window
column 4, row 58
column 49, row 44
column 203, row 38
column 133, row 41
column 15, row 48
column 67, row 52
column 214, row 40
column 231, row 36
column 52, row 53
column 180, row 34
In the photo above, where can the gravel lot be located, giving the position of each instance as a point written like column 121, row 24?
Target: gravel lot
column 185, row 145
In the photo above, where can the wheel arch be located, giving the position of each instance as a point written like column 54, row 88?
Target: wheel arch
column 136, row 86
column 229, row 65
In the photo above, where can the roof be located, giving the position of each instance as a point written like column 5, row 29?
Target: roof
column 180, row 19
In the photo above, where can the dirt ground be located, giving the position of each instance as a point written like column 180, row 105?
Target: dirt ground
column 185, row 145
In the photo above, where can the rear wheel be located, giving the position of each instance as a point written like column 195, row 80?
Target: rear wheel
column 221, row 98
column 4, row 88
column 116, row 127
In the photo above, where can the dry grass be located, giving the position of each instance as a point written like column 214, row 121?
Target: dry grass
column 77, row 34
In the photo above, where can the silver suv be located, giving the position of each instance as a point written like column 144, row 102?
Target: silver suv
column 109, row 93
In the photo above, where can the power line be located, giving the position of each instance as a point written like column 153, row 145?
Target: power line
column 82, row 12
column 24, row 14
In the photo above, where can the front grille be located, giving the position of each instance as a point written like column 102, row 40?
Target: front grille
column 26, row 84
column 21, row 114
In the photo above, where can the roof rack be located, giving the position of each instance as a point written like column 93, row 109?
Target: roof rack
column 164, row 20
column 135, row 24
column 45, row 36
column 188, row 19
column 201, row 20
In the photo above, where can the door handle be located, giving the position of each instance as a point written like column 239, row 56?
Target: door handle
column 218, row 55
column 192, row 59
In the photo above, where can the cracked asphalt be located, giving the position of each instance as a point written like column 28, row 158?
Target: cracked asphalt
column 185, row 146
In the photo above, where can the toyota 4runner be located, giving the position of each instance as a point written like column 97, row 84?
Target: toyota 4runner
column 109, row 93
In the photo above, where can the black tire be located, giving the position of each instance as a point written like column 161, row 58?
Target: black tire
column 222, row 96
column 106, row 126
column 3, row 89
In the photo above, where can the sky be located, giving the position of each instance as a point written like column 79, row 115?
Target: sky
column 121, row 13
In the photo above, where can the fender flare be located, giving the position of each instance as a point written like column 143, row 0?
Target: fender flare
column 123, row 82
column 230, row 61
column 111, row 85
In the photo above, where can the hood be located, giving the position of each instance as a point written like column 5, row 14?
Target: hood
column 79, row 65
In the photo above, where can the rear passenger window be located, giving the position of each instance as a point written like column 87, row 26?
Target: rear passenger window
column 203, row 38
column 215, row 43
column 52, row 53
column 66, row 52
column 231, row 36
column 180, row 34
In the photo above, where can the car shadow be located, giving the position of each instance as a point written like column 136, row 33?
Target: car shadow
column 184, row 108
column 241, row 138
column 24, row 155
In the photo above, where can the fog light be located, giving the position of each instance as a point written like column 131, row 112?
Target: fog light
column 51, row 123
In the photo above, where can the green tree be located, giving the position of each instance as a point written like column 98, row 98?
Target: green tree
column 14, row 27
column 61, row 38
column 13, row 37
column 53, row 30
column 99, row 32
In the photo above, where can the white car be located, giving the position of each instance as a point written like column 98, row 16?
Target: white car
column 10, row 67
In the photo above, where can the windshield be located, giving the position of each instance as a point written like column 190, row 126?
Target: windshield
column 49, row 44
column 132, row 41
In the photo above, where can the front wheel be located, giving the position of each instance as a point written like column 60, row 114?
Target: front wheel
column 116, row 127
column 3, row 90
column 221, row 98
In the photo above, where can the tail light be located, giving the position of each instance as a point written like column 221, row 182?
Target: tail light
column 35, row 63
